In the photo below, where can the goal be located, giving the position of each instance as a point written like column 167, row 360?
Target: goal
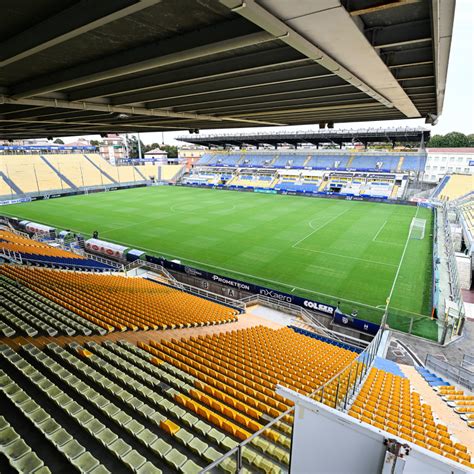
column 417, row 228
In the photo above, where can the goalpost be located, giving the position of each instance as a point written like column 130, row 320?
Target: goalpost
column 417, row 228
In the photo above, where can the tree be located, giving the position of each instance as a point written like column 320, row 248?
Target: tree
column 436, row 141
column 456, row 140
column 132, row 143
column 171, row 150
column 148, row 148
column 95, row 143
column 58, row 141
column 451, row 140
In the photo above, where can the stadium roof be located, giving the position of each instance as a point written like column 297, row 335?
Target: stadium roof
column 416, row 136
column 71, row 67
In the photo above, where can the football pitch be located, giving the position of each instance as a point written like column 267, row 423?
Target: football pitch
column 324, row 249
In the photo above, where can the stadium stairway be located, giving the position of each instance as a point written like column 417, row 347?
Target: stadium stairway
column 440, row 187
column 104, row 173
column 400, row 164
column 139, row 172
column 61, row 176
column 349, row 163
column 10, row 183
column 432, row 379
column 323, row 186
column 389, row 366
column 455, row 424
column 308, row 159
column 394, row 192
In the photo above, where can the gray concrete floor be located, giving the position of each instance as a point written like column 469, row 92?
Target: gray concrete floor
column 453, row 353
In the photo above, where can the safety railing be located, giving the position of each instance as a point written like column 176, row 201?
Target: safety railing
column 212, row 296
column 293, row 309
column 153, row 267
column 335, row 393
column 467, row 360
column 458, row 374
column 11, row 255
column 111, row 263
column 7, row 226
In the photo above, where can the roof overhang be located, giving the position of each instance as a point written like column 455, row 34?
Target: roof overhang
column 72, row 67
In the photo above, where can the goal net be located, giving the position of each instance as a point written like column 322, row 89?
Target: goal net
column 417, row 228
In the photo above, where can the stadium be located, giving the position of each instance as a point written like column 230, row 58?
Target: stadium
column 269, row 301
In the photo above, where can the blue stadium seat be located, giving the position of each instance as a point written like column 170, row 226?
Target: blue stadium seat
column 342, row 345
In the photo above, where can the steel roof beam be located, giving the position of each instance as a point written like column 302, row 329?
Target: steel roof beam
column 443, row 19
column 193, row 45
column 253, row 62
column 269, row 22
column 399, row 34
column 259, row 79
column 270, row 88
column 67, row 24
column 62, row 104
column 382, row 6
column 279, row 97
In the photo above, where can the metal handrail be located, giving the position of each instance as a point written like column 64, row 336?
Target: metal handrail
column 366, row 357
column 111, row 263
column 460, row 375
column 11, row 255
column 157, row 268
column 283, row 305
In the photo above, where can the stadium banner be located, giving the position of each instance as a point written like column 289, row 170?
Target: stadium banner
column 45, row 196
column 313, row 194
column 265, row 191
column 46, row 147
column 14, row 201
column 355, row 323
column 342, row 319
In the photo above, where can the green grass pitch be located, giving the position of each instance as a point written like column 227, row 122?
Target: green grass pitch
column 324, row 249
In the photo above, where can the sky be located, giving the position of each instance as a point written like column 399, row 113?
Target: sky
column 458, row 111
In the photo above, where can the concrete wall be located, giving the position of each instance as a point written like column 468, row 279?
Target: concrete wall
column 328, row 441
column 464, row 265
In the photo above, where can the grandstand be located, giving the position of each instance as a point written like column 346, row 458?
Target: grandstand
column 318, row 160
column 200, row 331
column 379, row 175
column 453, row 186
column 35, row 174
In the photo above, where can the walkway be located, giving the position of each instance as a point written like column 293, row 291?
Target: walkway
column 452, row 353
column 446, row 414
column 245, row 321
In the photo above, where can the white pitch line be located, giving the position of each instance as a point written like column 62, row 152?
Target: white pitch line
column 400, row 264
column 236, row 272
column 320, row 227
column 380, row 230
column 347, row 256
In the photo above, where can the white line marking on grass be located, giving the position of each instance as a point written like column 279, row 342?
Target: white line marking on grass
column 347, row 256
column 266, row 280
column 380, row 230
column 320, row 227
column 389, row 297
column 171, row 208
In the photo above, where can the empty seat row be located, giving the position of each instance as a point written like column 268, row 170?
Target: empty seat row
column 52, row 431
column 173, row 390
column 387, row 402
column 114, row 401
column 459, row 401
column 20, row 456
column 173, row 384
column 121, row 303
column 32, row 313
